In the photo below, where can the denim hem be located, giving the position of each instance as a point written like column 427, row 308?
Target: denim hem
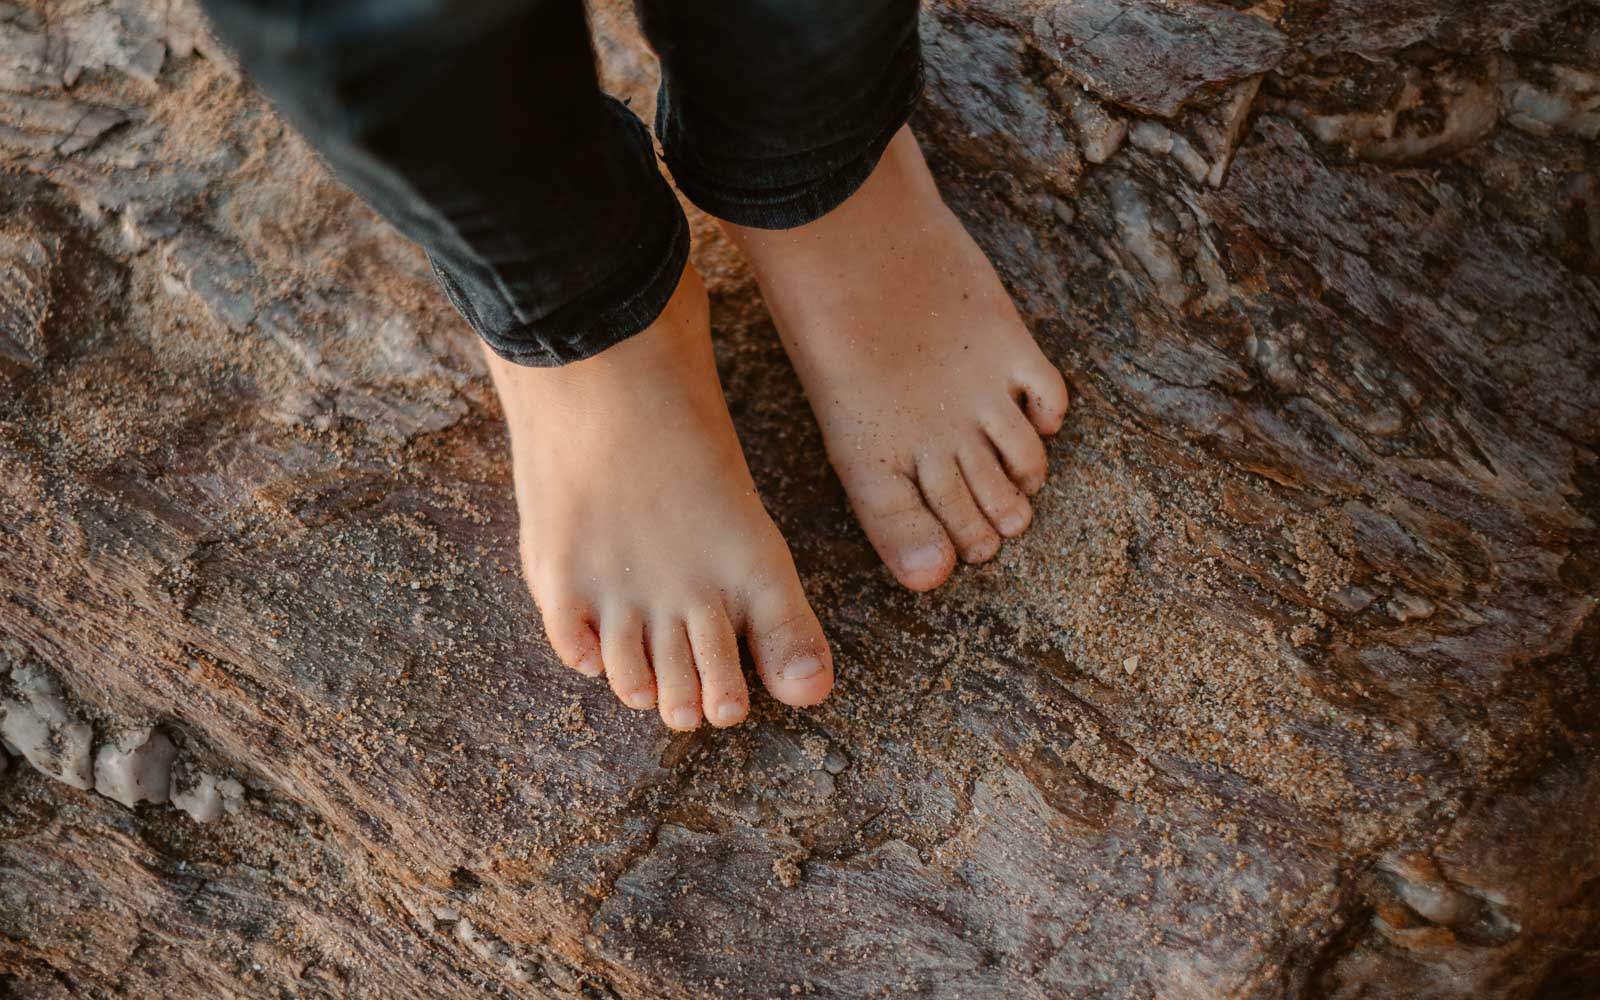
column 616, row 308
column 792, row 205
column 603, row 317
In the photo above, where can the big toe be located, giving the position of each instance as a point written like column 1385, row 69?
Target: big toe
column 910, row 540
column 788, row 645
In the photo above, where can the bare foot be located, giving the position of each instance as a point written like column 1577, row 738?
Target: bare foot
column 643, row 539
column 931, row 394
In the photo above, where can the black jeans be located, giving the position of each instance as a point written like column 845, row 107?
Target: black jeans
column 478, row 128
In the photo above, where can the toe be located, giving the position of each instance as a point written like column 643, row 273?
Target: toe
column 622, row 651
column 1019, row 447
column 1044, row 394
column 716, row 657
column 1002, row 503
column 951, row 500
column 902, row 528
column 677, row 682
column 568, row 624
column 786, row 640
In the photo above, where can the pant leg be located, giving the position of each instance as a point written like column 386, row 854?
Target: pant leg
column 478, row 128
column 772, row 112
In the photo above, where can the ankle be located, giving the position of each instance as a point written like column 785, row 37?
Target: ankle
column 674, row 341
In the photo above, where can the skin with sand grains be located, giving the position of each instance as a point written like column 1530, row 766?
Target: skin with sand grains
column 932, row 397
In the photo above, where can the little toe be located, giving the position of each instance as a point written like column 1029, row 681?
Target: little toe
column 1019, row 447
column 948, row 494
column 622, row 651
column 902, row 529
column 677, row 681
column 723, row 694
column 788, row 645
column 1044, row 393
column 1001, row 501
column 568, row 624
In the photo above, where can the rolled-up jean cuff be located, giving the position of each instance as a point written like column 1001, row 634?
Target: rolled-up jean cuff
column 728, row 194
column 602, row 317
column 646, row 271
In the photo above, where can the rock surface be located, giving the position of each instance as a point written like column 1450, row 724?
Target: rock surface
column 1293, row 690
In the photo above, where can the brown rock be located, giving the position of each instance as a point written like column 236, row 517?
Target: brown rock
column 1330, row 484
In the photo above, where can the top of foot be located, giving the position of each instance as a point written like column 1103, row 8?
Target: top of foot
column 643, row 539
column 932, row 395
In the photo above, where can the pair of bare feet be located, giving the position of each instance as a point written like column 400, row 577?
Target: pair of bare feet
column 643, row 538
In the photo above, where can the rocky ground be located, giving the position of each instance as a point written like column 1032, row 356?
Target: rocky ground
column 1293, row 690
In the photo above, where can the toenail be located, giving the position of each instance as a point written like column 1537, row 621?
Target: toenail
column 641, row 699
column 589, row 666
column 926, row 557
column 1013, row 523
column 728, row 712
column 799, row 670
column 685, row 717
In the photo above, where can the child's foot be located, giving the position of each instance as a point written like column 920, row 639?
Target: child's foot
column 931, row 394
column 643, row 539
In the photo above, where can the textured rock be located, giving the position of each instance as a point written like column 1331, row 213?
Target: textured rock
column 135, row 767
column 1147, row 55
column 1323, row 276
column 38, row 726
column 209, row 798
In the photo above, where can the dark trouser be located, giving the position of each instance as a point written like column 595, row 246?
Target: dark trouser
column 477, row 127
